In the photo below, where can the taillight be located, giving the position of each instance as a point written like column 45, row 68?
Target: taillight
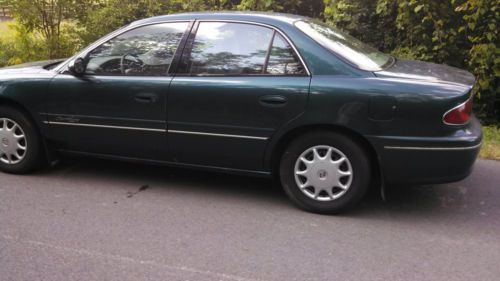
column 460, row 114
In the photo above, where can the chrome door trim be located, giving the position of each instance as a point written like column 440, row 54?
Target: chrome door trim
column 104, row 126
column 216, row 135
column 154, row 130
column 432, row 148
column 63, row 115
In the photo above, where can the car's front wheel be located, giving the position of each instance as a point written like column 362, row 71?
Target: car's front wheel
column 20, row 146
column 325, row 172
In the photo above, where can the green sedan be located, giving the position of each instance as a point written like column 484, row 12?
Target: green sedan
column 250, row 93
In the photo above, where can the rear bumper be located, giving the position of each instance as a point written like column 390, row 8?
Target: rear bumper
column 429, row 160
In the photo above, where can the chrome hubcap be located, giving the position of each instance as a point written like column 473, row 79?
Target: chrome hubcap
column 13, row 142
column 323, row 173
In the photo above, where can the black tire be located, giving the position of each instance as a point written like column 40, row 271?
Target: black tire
column 359, row 164
column 34, row 154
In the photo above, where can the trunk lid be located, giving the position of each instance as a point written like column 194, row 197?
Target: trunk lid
column 419, row 70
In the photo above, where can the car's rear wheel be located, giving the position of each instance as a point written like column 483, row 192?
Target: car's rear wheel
column 325, row 172
column 20, row 146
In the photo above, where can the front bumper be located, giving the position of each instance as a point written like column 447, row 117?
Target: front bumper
column 422, row 160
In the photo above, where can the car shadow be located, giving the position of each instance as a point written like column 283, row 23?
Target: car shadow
column 403, row 202
column 192, row 181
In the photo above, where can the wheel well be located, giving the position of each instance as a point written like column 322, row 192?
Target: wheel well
column 286, row 139
column 13, row 104
column 22, row 109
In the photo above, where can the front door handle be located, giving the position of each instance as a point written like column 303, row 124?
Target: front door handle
column 273, row 100
column 146, row 97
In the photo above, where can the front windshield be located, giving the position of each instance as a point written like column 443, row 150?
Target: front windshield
column 358, row 53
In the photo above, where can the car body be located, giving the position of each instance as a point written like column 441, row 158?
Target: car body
column 236, row 104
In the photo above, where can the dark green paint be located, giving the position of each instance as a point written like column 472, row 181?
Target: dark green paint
column 113, row 101
column 399, row 107
column 230, row 105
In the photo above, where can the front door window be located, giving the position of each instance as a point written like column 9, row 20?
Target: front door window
column 144, row 51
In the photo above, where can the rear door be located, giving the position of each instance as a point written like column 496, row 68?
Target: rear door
column 236, row 85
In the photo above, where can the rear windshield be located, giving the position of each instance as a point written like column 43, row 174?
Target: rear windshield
column 351, row 49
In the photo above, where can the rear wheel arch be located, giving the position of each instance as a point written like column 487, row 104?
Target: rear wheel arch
column 288, row 137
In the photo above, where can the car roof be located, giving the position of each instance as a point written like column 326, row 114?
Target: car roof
column 259, row 17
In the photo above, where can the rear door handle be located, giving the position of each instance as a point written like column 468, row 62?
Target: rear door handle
column 273, row 100
column 146, row 97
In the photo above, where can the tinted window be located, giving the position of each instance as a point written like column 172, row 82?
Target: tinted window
column 229, row 49
column 144, row 51
column 282, row 59
column 353, row 50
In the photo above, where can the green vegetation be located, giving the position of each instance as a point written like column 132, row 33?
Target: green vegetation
column 17, row 45
column 461, row 33
column 4, row 27
column 491, row 143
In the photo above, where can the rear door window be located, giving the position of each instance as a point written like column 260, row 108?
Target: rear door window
column 222, row 48
column 282, row 59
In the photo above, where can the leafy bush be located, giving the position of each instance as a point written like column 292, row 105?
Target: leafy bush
column 310, row 8
column 18, row 45
column 69, row 40
column 483, row 55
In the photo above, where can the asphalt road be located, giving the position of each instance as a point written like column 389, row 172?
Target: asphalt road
column 117, row 221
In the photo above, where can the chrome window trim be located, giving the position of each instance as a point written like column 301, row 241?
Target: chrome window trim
column 343, row 58
column 217, row 135
column 272, row 28
column 124, row 29
column 59, row 69
column 432, row 148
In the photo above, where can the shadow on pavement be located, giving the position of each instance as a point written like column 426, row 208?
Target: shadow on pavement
column 404, row 201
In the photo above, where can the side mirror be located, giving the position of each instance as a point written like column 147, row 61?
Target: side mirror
column 77, row 66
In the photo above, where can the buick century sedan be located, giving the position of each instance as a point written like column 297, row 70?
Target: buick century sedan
column 251, row 93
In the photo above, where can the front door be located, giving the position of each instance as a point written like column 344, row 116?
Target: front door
column 237, row 84
column 119, row 106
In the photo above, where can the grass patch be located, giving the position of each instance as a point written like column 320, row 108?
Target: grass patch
column 491, row 143
column 4, row 27
column 7, row 33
